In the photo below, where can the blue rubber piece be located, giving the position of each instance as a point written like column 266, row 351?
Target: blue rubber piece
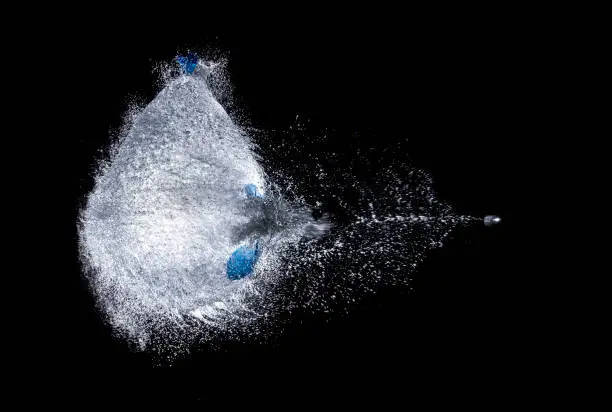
column 188, row 63
column 242, row 261
column 251, row 191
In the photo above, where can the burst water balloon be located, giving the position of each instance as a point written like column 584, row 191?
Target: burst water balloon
column 186, row 236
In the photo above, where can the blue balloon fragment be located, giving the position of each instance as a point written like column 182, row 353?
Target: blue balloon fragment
column 251, row 191
column 242, row 261
column 188, row 63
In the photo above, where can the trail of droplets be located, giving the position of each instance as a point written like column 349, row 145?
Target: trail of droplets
column 387, row 226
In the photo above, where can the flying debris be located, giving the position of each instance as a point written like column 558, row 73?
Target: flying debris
column 242, row 261
column 251, row 191
column 188, row 63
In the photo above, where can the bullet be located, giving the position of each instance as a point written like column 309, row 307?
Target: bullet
column 492, row 220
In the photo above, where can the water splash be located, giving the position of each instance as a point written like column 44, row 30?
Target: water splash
column 168, row 209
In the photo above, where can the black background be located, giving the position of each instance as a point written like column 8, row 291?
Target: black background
column 465, row 96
